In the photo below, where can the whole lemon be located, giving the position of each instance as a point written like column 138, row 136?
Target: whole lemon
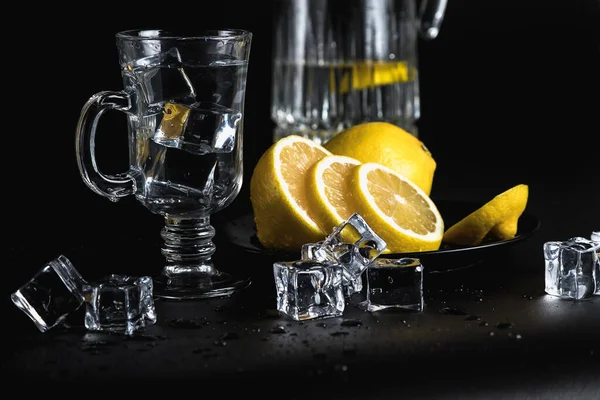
column 387, row 144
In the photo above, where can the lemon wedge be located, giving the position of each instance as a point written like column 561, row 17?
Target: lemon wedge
column 497, row 219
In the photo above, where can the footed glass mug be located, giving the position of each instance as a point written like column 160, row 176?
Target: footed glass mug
column 184, row 100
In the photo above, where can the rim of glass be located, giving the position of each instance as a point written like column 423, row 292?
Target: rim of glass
column 164, row 34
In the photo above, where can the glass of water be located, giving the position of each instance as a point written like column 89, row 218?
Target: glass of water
column 340, row 63
column 184, row 101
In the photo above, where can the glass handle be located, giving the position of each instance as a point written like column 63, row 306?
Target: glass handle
column 111, row 186
column 431, row 14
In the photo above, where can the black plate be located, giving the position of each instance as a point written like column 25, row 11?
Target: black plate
column 242, row 233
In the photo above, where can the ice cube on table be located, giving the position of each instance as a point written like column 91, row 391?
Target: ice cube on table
column 161, row 78
column 350, row 284
column 54, row 292
column 120, row 303
column 395, row 283
column 308, row 289
column 572, row 268
column 307, row 252
column 354, row 245
column 596, row 239
column 198, row 128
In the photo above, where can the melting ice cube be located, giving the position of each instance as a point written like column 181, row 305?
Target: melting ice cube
column 120, row 303
column 572, row 268
column 354, row 245
column 395, row 283
column 308, row 289
column 54, row 292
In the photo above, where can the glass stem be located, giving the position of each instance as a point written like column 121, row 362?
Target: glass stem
column 188, row 247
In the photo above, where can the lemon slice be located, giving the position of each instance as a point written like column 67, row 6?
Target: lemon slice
column 396, row 209
column 278, row 194
column 174, row 119
column 498, row 219
column 370, row 74
column 328, row 191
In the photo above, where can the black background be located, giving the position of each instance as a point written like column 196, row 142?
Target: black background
column 509, row 87
column 510, row 94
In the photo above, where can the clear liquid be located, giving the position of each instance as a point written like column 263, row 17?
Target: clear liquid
column 334, row 97
column 175, row 182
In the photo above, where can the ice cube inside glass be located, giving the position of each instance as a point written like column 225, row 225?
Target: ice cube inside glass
column 161, row 78
column 198, row 128
column 120, row 303
column 395, row 283
column 51, row 294
column 308, row 289
column 572, row 269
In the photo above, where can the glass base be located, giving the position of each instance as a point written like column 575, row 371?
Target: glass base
column 198, row 286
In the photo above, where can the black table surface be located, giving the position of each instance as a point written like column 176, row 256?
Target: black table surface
column 512, row 338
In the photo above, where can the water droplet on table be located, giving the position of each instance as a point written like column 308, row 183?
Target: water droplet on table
column 453, row 311
column 351, row 322
column 339, row 333
column 278, row 329
column 187, row 323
